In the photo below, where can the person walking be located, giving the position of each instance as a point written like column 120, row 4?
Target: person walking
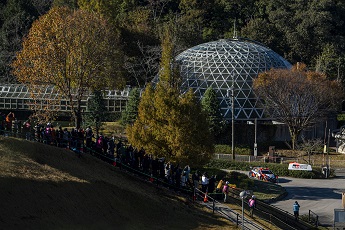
column 226, row 191
column 296, row 207
column 252, row 205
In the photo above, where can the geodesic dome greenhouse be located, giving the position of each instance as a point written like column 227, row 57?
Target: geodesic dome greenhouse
column 229, row 67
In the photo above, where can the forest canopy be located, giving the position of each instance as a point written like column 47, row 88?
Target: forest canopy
column 301, row 31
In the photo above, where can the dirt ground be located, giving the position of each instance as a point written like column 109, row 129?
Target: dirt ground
column 44, row 187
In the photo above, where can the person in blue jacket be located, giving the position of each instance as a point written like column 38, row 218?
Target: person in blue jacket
column 296, row 207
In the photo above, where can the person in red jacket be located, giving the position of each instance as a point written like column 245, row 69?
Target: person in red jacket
column 226, row 190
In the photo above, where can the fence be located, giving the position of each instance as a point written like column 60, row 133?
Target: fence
column 280, row 218
column 271, row 214
column 250, row 158
column 313, row 218
column 211, row 202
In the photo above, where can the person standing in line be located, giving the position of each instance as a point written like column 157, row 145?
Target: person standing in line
column 9, row 120
column 219, row 188
column 296, row 207
column 252, row 205
column 186, row 170
column 226, row 191
column 196, row 179
column 204, row 182
column 88, row 137
column 211, row 184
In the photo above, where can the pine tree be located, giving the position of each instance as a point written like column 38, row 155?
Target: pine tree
column 210, row 105
column 129, row 115
column 95, row 115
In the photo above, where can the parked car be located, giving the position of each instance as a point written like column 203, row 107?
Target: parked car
column 264, row 174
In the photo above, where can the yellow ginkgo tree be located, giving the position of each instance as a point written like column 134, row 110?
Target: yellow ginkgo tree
column 170, row 124
column 72, row 50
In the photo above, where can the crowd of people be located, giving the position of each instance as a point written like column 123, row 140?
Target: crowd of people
column 114, row 150
column 81, row 140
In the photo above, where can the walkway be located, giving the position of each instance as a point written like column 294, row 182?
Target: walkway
column 224, row 210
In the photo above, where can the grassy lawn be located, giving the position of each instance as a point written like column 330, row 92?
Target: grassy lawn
column 44, row 186
column 267, row 190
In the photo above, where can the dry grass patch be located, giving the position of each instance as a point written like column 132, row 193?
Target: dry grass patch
column 44, row 187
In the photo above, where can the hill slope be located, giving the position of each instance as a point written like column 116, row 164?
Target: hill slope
column 45, row 187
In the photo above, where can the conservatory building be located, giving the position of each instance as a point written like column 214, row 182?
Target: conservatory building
column 229, row 67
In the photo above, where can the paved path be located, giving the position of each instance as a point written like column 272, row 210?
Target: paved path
column 233, row 216
column 321, row 196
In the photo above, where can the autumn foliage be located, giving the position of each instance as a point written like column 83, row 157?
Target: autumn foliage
column 297, row 97
column 72, row 50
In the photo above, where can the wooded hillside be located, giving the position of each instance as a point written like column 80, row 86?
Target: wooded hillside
column 312, row 31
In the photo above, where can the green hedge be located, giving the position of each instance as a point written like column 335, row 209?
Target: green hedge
column 278, row 169
column 226, row 149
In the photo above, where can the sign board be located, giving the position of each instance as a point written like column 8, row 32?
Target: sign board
column 298, row 166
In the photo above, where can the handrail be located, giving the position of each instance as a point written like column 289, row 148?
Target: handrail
column 227, row 212
column 276, row 216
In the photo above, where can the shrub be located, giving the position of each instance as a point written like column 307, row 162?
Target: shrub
column 278, row 169
column 241, row 180
column 226, row 149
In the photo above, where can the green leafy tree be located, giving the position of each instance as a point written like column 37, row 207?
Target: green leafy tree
column 171, row 125
column 73, row 4
column 297, row 97
column 210, row 104
column 129, row 115
column 95, row 114
column 331, row 63
column 73, row 50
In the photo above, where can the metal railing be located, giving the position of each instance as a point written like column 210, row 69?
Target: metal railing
column 273, row 215
column 225, row 211
column 313, row 218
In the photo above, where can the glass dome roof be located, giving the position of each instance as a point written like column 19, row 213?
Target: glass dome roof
column 229, row 66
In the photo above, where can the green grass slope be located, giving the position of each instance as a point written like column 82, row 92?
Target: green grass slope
column 43, row 187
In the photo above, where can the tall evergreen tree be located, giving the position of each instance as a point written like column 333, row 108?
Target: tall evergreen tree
column 210, row 105
column 95, row 114
column 129, row 115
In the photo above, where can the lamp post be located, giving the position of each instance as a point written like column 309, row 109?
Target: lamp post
column 243, row 195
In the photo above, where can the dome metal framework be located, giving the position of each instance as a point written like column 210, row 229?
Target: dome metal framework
column 229, row 67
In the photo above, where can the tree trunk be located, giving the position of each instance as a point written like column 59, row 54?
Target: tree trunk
column 77, row 115
column 294, row 137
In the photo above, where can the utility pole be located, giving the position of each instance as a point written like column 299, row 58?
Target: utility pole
column 255, row 143
column 232, row 124
column 231, row 90
column 327, row 163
